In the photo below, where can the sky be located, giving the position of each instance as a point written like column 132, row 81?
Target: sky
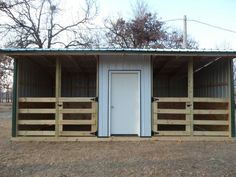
column 220, row 13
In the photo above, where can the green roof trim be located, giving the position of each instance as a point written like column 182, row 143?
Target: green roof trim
column 79, row 51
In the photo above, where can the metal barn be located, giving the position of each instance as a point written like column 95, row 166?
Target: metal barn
column 71, row 94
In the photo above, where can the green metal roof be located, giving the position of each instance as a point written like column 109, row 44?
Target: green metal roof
column 105, row 51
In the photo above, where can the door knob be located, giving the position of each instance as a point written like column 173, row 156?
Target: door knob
column 112, row 107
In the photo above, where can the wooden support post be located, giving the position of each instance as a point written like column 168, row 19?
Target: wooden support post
column 60, row 119
column 154, row 116
column 94, row 117
column 189, row 115
column 188, row 118
column 58, row 95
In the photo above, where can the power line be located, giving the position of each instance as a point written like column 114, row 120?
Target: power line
column 203, row 23
column 213, row 26
column 171, row 20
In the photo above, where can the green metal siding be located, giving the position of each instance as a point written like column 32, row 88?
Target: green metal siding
column 14, row 105
column 232, row 100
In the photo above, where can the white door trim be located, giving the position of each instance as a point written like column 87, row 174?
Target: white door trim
column 109, row 94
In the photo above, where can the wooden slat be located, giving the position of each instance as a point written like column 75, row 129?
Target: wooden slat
column 171, row 111
column 212, row 111
column 58, row 95
column 211, row 133
column 171, row 99
column 36, row 122
column 189, row 118
column 36, row 99
column 209, row 100
column 94, row 117
column 76, row 111
column 76, row 133
column 76, row 99
column 211, row 122
column 171, row 122
column 189, row 105
column 37, row 111
column 36, row 133
column 173, row 133
column 155, row 116
column 60, row 116
column 126, row 139
column 77, row 122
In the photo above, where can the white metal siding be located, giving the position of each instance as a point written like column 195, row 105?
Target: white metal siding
column 141, row 63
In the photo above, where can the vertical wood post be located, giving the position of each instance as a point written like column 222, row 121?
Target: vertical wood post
column 94, row 117
column 189, row 105
column 58, row 95
column 155, row 116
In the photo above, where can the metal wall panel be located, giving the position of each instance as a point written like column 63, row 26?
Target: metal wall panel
column 78, row 84
column 212, row 81
column 164, row 86
column 142, row 63
column 34, row 80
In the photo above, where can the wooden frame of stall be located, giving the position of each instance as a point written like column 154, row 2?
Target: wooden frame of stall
column 217, row 110
column 47, row 113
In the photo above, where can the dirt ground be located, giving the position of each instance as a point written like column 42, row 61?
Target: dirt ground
column 100, row 159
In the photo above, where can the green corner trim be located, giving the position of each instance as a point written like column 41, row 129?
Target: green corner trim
column 232, row 100
column 14, row 104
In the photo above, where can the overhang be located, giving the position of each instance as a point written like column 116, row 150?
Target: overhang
column 112, row 51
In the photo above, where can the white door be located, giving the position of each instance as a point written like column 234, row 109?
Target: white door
column 124, row 103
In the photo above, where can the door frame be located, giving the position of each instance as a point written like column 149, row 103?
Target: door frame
column 110, row 72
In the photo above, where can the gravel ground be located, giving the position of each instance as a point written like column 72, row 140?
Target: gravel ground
column 154, row 158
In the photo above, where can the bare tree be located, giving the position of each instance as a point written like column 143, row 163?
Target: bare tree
column 174, row 40
column 36, row 23
column 141, row 32
column 6, row 69
column 144, row 30
column 4, row 4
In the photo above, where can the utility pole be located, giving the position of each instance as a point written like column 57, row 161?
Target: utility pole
column 185, row 33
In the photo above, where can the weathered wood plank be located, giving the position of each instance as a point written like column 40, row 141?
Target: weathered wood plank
column 154, row 116
column 36, row 133
column 171, row 122
column 202, row 111
column 171, row 99
column 36, row 111
column 57, row 94
column 76, row 111
column 138, row 139
column 36, row 122
column 189, row 105
column 211, row 122
column 36, row 99
column 171, row 133
column 76, row 99
column 210, row 100
column 171, row 111
column 76, row 133
column 77, row 122
column 94, row 117
column 211, row 133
